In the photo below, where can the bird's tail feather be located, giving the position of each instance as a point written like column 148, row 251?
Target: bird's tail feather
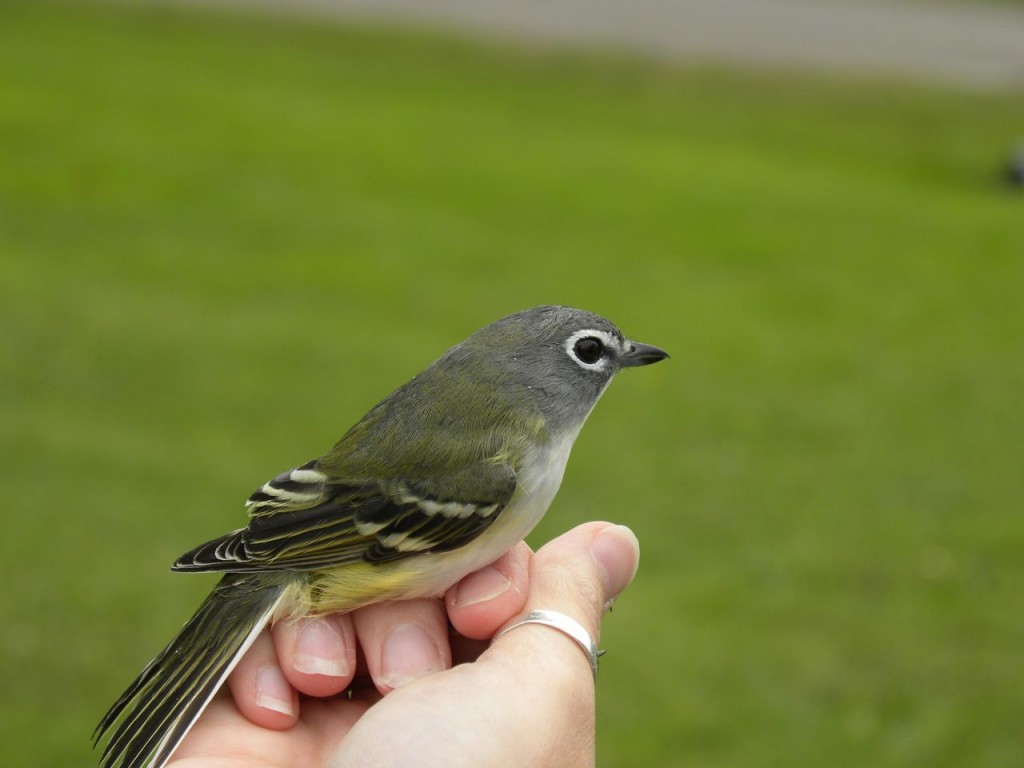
column 156, row 711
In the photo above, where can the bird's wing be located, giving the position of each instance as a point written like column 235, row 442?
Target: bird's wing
column 306, row 520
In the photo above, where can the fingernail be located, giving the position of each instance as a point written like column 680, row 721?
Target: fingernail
column 273, row 691
column 486, row 584
column 408, row 653
column 320, row 649
column 617, row 554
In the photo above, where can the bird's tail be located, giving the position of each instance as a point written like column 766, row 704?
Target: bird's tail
column 158, row 709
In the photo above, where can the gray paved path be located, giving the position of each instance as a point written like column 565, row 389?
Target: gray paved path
column 972, row 44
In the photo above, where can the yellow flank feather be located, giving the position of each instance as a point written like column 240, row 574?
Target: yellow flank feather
column 346, row 588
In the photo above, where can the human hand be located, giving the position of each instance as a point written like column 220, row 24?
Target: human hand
column 527, row 699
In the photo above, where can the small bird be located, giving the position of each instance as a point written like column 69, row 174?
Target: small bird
column 439, row 479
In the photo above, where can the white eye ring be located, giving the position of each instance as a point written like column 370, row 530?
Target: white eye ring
column 609, row 342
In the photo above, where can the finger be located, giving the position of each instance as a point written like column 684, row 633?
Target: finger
column 317, row 654
column 260, row 689
column 484, row 600
column 403, row 641
column 579, row 574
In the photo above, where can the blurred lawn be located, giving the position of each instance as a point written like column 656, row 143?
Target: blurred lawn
column 222, row 239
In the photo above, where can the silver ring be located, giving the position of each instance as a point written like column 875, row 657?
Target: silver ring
column 566, row 625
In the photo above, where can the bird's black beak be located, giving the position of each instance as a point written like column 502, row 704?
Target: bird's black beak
column 640, row 354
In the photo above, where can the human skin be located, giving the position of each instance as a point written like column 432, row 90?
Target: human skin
column 422, row 692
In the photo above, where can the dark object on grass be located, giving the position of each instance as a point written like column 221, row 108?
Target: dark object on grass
column 1015, row 168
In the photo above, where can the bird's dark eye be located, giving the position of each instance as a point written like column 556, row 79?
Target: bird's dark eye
column 588, row 350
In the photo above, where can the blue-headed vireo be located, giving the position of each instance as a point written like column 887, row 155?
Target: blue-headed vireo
column 439, row 479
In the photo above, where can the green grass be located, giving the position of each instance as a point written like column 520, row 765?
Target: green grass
column 222, row 239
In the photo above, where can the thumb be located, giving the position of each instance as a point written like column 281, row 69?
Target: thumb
column 579, row 574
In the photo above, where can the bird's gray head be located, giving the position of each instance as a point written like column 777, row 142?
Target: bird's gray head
column 559, row 360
